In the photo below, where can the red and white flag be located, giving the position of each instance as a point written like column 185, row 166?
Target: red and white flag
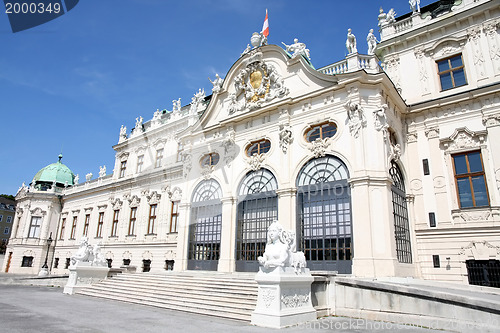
column 265, row 27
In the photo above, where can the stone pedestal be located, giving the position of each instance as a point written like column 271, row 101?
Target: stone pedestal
column 82, row 275
column 284, row 297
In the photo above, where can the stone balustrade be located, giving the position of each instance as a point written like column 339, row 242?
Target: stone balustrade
column 352, row 63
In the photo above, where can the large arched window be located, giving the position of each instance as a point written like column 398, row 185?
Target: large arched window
column 324, row 228
column 400, row 214
column 257, row 208
column 205, row 227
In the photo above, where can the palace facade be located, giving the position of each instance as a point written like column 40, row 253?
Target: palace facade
column 384, row 165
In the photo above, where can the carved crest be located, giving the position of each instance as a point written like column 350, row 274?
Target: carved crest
column 463, row 138
column 258, row 82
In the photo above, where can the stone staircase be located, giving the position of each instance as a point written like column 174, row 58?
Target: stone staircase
column 231, row 296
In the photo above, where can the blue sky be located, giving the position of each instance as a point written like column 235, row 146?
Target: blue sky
column 68, row 85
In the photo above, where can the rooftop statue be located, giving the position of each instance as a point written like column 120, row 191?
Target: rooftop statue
column 280, row 249
column 350, row 42
column 102, row 171
column 258, row 39
column 217, row 83
column 176, row 107
column 297, row 49
column 372, row 42
column 391, row 16
column 414, row 5
column 123, row 133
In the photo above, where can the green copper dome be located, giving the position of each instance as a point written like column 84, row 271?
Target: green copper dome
column 55, row 172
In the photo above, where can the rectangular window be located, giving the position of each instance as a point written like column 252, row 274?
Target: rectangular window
column 470, row 180
column 174, row 216
column 56, row 262
column 1, row 218
column 435, row 261
column 9, row 219
column 27, row 261
column 86, row 225
column 6, row 231
column 36, row 222
column 123, row 167
column 131, row 224
column 159, row 158
column 451, row 72
column 152, row 219
column 140, row 162
column 67, row 263
column 425, row 165
column 432, row 219
column 114, row 226
column 73, row 228
column 100, row 222
column 63, row 225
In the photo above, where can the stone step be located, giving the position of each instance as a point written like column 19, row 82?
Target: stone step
column 221, row 295
column 224, row 298
column 187, row 289
column 180, row 305
column 198, row 285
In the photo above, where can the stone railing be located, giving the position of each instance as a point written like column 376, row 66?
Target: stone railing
column 403, row 25
column 353, row 62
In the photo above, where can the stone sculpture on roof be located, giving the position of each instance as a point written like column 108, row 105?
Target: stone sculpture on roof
column 298, row 49
column 350, row 42
column 372, row 42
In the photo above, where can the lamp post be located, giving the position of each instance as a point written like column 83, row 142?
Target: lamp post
column 45, row 269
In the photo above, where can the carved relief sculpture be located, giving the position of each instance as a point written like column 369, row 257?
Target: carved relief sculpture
column 286, row 137
column 355, row 117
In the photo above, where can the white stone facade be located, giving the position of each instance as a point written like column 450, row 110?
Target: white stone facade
column 387, row 120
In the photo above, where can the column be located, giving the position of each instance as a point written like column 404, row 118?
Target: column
column 228, row 235
column 182, row 237
column 286, row 208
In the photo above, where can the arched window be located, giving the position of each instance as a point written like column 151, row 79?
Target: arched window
column 205, row 227
column 324, row 227
column 400, row 214
column 258, row 147
column 257, row 208
column 321, row 131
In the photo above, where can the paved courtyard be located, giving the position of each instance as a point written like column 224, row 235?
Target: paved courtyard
column 47, row 309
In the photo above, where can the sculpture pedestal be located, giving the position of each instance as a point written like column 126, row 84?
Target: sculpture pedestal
column 284, row 297
column 82, row 275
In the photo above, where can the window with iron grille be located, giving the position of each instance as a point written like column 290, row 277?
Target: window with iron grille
column 470, row 180
column 400, row 215
column 324, row 226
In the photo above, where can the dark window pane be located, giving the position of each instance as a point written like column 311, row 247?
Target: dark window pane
column 446, row 82
column 329, row 130
column 459, row 77
column 480, row 191
column 265, row 146
column 456, row 61
column 313, row 134
column 475, row 162
column 443, row 65
column 460, row 165
column 464, row 192
column 253, row 149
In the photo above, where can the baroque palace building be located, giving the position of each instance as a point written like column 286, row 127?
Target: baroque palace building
column 385, row 165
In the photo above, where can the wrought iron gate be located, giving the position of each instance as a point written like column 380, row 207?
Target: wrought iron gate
column 324, row 226
column 205, row 227
column 257, row 208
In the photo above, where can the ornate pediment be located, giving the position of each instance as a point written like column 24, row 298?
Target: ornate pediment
column 38, row 212
column 134, row 201
column 463, row 139
column 154, row 198
column 256, row 83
